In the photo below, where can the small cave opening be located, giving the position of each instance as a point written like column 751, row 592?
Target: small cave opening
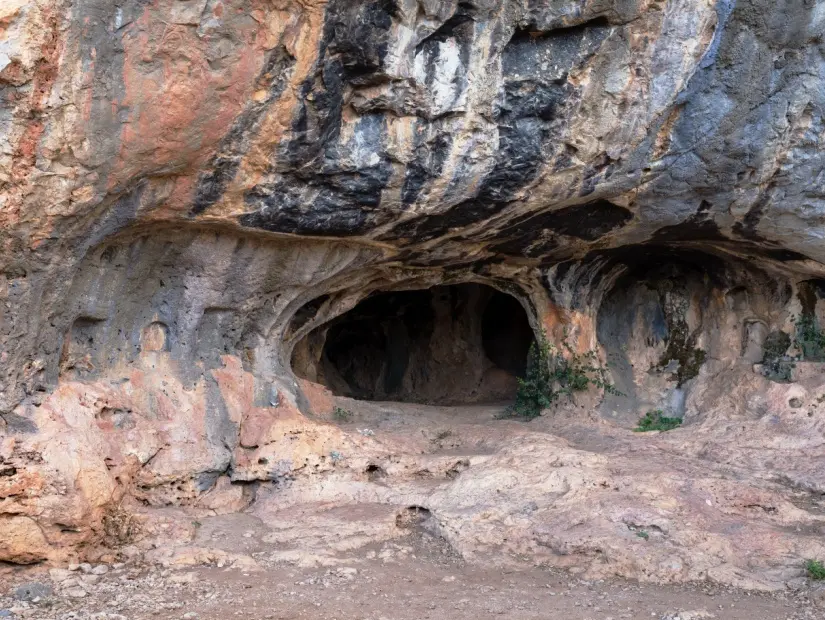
column 506, row 334
column 445, row 345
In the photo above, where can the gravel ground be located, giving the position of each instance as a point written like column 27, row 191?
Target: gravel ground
column 417, row 577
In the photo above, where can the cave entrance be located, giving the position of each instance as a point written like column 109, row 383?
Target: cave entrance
column 464, row 343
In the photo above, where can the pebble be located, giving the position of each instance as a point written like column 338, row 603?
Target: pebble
column 100, row 569
column 698, row 614
column 75, row 593
column 184, row 578
column 59, row 574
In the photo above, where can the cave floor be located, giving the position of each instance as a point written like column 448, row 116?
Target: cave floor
column 357, row 542
column 416, row 577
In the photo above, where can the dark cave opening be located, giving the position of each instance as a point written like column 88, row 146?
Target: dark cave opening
column 464, row 343
column 506, row 334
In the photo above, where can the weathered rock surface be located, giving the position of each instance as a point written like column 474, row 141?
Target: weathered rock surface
column 194, row 194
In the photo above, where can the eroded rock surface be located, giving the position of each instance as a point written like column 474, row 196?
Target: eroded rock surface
column 197, row 199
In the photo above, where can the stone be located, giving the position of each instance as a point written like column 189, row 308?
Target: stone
column 75, row 592
column 184, row 578
column 100, row 569
column 348, row 572
column 32, row 590
column 59, row 574
column 21, row 540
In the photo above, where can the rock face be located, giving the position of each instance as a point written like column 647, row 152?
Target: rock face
column 197, row 197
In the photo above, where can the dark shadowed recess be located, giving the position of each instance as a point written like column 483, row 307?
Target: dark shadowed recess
column 443, row 345
column 534, row 236
column 506, row 334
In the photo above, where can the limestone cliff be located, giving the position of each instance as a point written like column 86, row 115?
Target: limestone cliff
column 193, row 192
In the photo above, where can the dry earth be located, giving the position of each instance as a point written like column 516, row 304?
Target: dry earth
column 415, row 578
column 365, row 560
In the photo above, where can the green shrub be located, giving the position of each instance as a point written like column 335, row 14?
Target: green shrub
column 815, row 569
column 776, row 365
column 551, row 375
column 656, row 421
column 809, row 338
column 341, row 415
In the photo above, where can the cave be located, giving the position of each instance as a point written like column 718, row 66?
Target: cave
column 446, row 345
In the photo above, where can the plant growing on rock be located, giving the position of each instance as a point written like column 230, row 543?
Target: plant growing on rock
column 777, row 366
column 656, row 421
column 120, row 527
column 815, row 569
column 341, row 415
column 809, row 338
column 809, row 341
column 551, row 374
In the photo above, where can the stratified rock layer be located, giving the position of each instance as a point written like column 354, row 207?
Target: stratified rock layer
column 193, row 192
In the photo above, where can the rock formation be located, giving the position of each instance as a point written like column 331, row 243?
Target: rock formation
column 200, row 199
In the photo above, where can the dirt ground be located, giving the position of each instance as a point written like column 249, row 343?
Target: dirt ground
column 412, row 578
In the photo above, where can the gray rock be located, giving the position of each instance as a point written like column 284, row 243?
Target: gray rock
column 32, row 590
column 91, row 579
column 59, row 575
column 687, row 615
